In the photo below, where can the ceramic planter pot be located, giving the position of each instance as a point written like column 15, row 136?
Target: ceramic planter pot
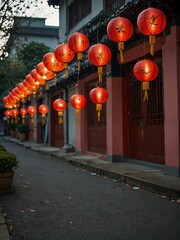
column 6, row 180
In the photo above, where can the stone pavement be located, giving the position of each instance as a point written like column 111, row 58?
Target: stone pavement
column 147, row 176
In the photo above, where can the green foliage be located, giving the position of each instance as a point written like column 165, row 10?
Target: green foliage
column 22, row 128
column 11, row 73
column 31, row 54
column 2, row 148
column 8, row 162
column 12, row 126
column 14, row 71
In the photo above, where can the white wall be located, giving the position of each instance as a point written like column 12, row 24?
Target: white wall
column 97, row 6
column 72, row 120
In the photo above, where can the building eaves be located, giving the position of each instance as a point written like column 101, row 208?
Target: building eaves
column 96, row 28
column 36, row 31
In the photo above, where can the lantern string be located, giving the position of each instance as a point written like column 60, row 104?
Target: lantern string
column 77, row 82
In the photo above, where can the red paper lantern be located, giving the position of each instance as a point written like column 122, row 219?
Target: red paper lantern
column 31, row 111
column 14, row 114
column 98, row 96
column 29, row 86
column 78, row 43
column 99, row 55
column 145, row 70
column 16, row 90
column 45, row 73
column 43, row 109
column 37, row 77
column 30, row 79
column 59, row 105
column 120, row 29
column 52, row 64
column 151, row 22
column 12, row 98
column 7, row 113
column 64, row 54
column 5, row 100
column 23, row 112
column 14, row 93
column 21, row 87
column 78, row 102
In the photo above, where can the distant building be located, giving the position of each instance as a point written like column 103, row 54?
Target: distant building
column 28, row 29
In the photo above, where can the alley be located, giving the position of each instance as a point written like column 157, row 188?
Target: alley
column 56, row 201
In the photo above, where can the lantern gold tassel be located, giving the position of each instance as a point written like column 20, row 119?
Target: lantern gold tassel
column 121, row 48
column 43, row 118
column 55, row 79
column 145, row 88
column 78, row 110
column 152, row 41
column 32, row 119
column 79, row 58
column 99, row 109
column 34, row 94
column 47, row 85
column 100, row 71
column 60, row 114
column 23, row 119
column 66, row 70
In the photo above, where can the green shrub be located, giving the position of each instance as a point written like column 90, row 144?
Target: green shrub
column 12, row 126
column 8, row 162
column 22, row 128
column 2, row 148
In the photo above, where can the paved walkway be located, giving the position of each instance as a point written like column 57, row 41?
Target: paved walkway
column 149, row 177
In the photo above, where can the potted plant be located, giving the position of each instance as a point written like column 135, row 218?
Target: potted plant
column 22, row 131
column 12, row 128
column 8, row 164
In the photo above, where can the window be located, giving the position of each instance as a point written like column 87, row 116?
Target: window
column 77, row 10
column 113, row 4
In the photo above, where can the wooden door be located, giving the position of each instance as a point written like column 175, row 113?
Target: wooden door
column 96, row 131
column 57, row 131
column 146, row 120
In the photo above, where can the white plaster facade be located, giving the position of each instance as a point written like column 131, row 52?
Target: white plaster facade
column 33, row 29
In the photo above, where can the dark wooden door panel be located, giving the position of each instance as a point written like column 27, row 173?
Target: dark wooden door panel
column 146, row 120
column 57, row 132
column 96, row 131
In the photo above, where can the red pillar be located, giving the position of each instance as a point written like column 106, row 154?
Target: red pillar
column 171, row 73
column 114, row 110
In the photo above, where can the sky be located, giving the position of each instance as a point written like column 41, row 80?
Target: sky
column 44, row 10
